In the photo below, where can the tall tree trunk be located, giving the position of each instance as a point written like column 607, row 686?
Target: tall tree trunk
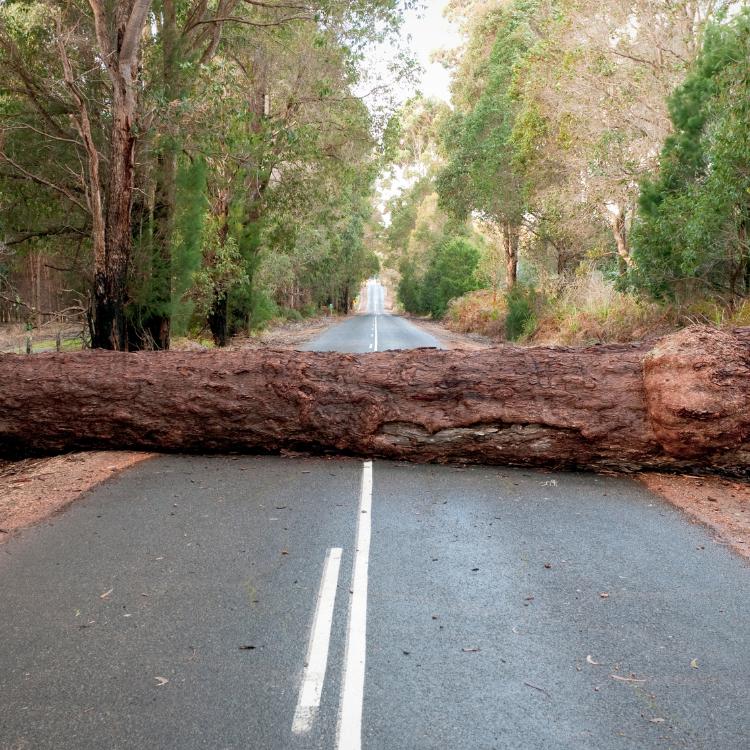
column 218, row 315
column 511, row 241
column 218, row 318
column 120, row 52
column 111, row 282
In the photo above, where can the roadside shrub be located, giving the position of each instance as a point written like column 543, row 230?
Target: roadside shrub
column 715, row 313
column 290, row 314
column 520, row 320
column 450, row 275
column 588, row 309
column 262, row 309
column 481, row 312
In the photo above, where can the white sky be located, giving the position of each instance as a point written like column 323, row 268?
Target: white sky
column 425, row 31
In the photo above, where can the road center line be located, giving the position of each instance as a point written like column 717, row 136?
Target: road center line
column 316, row 661
column 349, row 734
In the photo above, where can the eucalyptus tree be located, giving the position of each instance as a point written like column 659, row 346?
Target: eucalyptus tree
column 593, row 109
column 109, row 89
column 481, row 175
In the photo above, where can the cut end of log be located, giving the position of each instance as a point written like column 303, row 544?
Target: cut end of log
column 697, row 386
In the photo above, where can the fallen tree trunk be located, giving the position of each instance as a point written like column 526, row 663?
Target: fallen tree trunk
column 682, row 403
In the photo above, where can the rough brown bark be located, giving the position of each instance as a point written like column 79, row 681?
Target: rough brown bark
column 681, row 403
column 120, row 52
column 510, row 240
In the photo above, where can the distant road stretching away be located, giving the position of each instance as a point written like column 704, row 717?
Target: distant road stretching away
column 373, row 331
column 265, row 603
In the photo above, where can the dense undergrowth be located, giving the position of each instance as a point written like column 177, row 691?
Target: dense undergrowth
column 587, row 309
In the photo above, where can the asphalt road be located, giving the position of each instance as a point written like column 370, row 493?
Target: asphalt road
column 268, row 603
column 372, row 331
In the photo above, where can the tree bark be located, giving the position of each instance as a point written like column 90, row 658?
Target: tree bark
column 679, row 403
column 120, row 53
column 619, row 231
column 510, row 240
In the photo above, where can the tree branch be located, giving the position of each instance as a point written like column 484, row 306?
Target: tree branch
column 41, row 181
column 133, row 31
column 52, row 232
column 248, row 22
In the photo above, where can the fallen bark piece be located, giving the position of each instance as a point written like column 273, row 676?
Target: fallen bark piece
column 680, row 403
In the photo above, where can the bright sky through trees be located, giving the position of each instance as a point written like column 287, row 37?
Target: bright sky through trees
column 427, row 30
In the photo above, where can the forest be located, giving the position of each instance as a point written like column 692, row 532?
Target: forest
column 591, row 180
column 176, row 168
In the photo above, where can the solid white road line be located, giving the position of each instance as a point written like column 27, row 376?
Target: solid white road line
column 349, row 734
column 314, row 673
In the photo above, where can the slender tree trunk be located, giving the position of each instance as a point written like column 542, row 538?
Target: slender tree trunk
column 218, row 315
column 158, row 323
column 218, row 318
column 120, row 53
column 510, row 241
column 617, row 222
column 111, row 283
column 744, row 248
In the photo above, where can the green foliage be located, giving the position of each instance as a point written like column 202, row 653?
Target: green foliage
column 224, row 270
column 692, row 231
column 520, row 320
column 410, row 289
column 450, row 274
column 254, row 154
column 482, row 172
column 187, row 251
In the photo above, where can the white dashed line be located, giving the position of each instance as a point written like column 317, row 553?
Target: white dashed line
column 314, row 673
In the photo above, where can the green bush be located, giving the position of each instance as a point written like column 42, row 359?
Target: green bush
column 262, row 309
column 410, row 289
column 289, row 313
column 520, row 320
column 451, row 274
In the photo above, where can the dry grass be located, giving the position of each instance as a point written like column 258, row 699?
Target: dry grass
column 590, row 310
column 481, row 312
column 586, row 309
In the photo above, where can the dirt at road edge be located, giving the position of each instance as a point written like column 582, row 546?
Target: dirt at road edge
column 722, row 505
column 34, row 489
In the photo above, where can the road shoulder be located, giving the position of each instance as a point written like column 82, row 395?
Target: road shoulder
column 722, row 505
column 34, row 489
column 451, row 339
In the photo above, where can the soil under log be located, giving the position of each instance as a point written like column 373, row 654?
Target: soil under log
column 680, row 403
